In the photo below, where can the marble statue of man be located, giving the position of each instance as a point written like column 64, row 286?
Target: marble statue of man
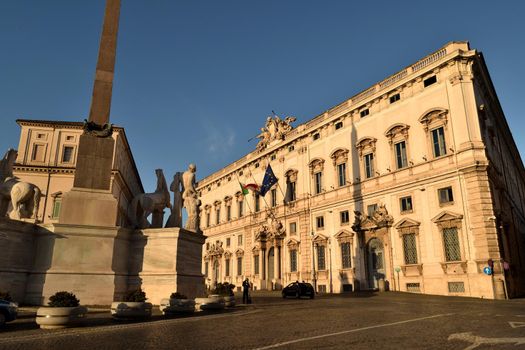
column 175, row 219
column 191, row 199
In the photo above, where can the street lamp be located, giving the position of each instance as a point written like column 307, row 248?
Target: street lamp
column 313, row 264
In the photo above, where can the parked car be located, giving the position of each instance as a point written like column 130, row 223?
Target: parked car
column 8, row 311
column 299, row 289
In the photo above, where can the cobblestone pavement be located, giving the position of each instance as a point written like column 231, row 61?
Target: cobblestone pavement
column 352, row 321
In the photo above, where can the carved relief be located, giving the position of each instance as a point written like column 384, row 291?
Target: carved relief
column 316, row 165
column 435, row 115
column 397, row 130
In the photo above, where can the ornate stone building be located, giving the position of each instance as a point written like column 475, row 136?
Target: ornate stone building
column 414, row 184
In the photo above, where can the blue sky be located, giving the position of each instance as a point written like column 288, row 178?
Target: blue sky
column 196, row 79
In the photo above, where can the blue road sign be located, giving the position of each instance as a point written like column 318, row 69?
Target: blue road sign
column 487, row 270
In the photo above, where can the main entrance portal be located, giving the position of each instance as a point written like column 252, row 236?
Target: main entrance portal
column 375, row 262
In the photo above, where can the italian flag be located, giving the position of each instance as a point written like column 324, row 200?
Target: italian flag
column 245, row 188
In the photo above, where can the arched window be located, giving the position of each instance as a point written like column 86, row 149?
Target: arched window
column 397, row 136
column 435, row 124
column 366, row 147
column 340, row 161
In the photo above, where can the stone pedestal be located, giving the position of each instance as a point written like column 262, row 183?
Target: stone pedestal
column 89, row 207
column 167, row 260
column 90, row 261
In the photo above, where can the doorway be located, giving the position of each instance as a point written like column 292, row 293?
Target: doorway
column 375, row 262
column 271, row 263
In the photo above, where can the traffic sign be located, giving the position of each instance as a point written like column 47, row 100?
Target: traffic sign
column 487, row 270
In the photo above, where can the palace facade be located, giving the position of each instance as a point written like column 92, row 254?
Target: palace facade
column 414, row 184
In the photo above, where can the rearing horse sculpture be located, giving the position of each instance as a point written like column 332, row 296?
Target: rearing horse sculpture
column 145, row 204
column 24, row 196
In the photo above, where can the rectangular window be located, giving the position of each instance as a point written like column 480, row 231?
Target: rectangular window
column 291, row 148
column 395, row 98
column 338, row 125
column 228, row 212
column 369, row 165
column 292, row 191
column 38, row 153
column 401, row 155
column 239, row 240
column 218, row 216
column 345, row 217
column 321, row 264
column 257, row 203
column 456, row 287
column 67, row 154
column 316, row 136
column 207, row 219
column 293, row 228
column 241, row 208
column 293, row 260
column 413, row 287
column 273, row 193
column 228, row 241
column 206, row 269
column 405, row 204
column 321, row 288
column 318, row 177
column 438, row 142
column 273, row 156
column 319, row 222
column 409, row 247
column 364, row 113
column 451, row 241
column 345, row 255
column 256, row 264
column 239, row 266
column 256, row 165
column 370, row 210
column 445, row 195
column 341, row 174
column 429, row 81
column 227, row 266
column 56, row 208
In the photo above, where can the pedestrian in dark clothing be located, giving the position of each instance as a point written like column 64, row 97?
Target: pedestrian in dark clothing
column 245, row 291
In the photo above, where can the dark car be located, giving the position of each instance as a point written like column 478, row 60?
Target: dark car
column 8, row 311
column 299, row 289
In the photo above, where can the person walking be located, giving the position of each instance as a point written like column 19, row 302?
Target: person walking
column 246, row 291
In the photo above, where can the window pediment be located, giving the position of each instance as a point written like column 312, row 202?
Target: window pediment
column 366, row 143
column 291, row 175
column 340, row 155
column 407, row 226
column 447, row 219
column 316, row 165
column 434, row 116
column 292, row 244
column 320, row 239
column 227, row 254
column 344, row 236
column 217, row 203
column 398, row 130
column 239, row 252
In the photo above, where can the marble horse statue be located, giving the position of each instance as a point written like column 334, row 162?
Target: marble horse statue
column 24, row 196
column 154, row 203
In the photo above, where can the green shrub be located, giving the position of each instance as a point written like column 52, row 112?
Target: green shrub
column 63, row 299
column 136, row 296
column 5, row 296
column 223, row 289
column 177, row 295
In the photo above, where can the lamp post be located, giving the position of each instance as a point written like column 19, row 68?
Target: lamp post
column 314, row 277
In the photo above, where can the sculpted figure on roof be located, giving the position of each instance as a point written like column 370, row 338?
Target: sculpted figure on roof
column 275, row 128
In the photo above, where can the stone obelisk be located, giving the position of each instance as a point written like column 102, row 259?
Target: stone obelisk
column 90, row 201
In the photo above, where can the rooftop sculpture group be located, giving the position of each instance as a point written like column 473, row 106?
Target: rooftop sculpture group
column 274, row 129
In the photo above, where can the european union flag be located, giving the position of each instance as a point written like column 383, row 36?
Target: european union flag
column 268, row 181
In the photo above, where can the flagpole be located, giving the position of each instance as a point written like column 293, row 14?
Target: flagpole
column 247, row 202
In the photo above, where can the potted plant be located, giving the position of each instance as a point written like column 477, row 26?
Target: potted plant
column 177, row 303
column 225, row 290
column 133, row 306
column 63, row 311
